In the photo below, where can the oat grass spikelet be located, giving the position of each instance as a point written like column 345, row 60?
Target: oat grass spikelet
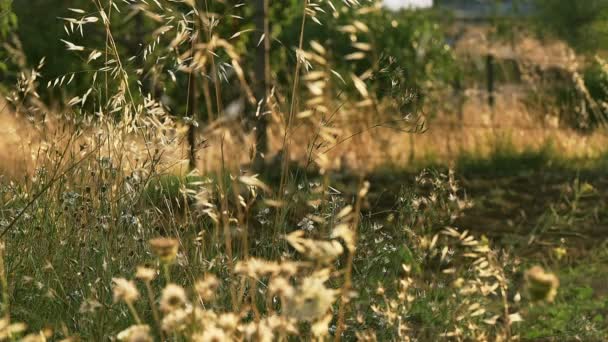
column 177, row 320
column 125, row 290
column 135, row 333
column 37, row 337
column 313, row 300
column 213, row 334
column 206, row 287
column 542, row 285
column 165, row 249
column 10, row 330
column 145, row 274
column 173, row 297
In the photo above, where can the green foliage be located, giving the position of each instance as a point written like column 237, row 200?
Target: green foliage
column 40, row 38
column 582, row 24
column 408, row 48
column 595, row 77
column 596, row 80
column 505, row 159
column 8, row 22
column 582, row 102
column 408, row 45
column 579, row 310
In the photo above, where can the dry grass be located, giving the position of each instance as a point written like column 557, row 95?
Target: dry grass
column 99, row 245
column 445, row 140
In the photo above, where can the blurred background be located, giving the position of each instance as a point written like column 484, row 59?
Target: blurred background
column 517, row 74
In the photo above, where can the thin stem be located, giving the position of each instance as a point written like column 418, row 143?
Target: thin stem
column 110, row 38
column 292, row 108
column 166, row 272
column 4, row 280
column 252, row 295
column 45, row 188
column 346, row 288
column 226, row 226
column 214, row 72
column 154, row 311
column 133, row 312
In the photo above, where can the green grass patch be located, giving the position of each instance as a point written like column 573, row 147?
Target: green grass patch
column 580, row 310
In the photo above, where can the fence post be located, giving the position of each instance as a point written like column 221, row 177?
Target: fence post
column 490, row 79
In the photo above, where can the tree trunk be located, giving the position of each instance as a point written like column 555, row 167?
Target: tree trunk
column 192, row 114
column 262, row 80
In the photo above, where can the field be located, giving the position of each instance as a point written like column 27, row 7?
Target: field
column 199, row 177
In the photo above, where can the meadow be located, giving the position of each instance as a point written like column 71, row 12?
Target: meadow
column 186, row 193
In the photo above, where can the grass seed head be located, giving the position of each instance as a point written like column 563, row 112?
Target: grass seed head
column 206, row 287
column 313, row 299
column 177, row 320
column 145, row 274
column 37, row 337
column 542, row 285
column 173, row 297
column 125, row 290
column 135, row 333
column 280, row 286
column 10, row 330
column 164, row 248
column 228, row 321
column 213, row 334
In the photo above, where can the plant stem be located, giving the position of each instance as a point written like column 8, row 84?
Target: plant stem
column 166, row 272
column 292, row 107
column 154, row 311
column 133, row 312
column 346, row 288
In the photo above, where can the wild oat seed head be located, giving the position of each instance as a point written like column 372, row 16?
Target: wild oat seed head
column 37, row 337
column 206, row 287
column 542, row 285
column 264, row 331
column 135, row 333
column 320, row 328
column 288, row 268
column 125, row 290
column 164, row 248
column 313, row 300
column 283, row 324
column 281, row 287
column 177, row 320
column 214, row 334
column 173, row 297
column 256, row 268
column 228, row 321
column 146, row 274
